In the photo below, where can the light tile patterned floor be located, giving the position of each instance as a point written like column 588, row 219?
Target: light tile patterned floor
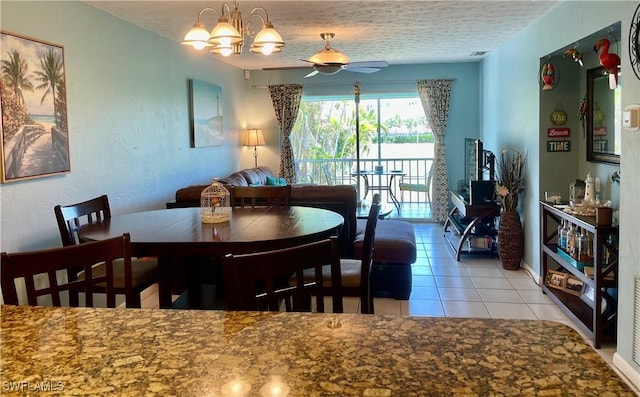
column 473, row 287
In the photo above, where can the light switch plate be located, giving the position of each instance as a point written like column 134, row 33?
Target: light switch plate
column 631, row 117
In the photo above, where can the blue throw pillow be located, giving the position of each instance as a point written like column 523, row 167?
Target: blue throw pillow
column 283, row 182
column 271, row 181
column 255, row 184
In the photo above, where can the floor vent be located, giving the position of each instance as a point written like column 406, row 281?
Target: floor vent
column 636, row 319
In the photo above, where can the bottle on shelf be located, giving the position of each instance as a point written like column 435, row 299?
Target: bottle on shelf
column 562, row 235
column 583, row 247
column 571, row 241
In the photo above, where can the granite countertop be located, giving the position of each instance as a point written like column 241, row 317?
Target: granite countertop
column 130, row 352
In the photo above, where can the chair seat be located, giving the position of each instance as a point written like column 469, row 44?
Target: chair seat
column 349, row 269
column 144, row 272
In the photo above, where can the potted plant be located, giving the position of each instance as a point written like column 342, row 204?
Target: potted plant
column 508, row 189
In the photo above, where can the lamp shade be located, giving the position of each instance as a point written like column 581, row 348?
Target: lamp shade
column 197, row 37
column 224, row 33
column 267, row 41
column 254, row 137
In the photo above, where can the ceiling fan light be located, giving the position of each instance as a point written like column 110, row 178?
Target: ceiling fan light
column 328, row 69
column 197, row 37
column 329, row 56
column 267, row 40
column 224, row 33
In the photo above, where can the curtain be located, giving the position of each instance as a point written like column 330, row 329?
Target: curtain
column 286, row 101
column 435, row 96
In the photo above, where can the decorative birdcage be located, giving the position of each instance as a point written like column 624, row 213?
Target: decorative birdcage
column 215, row 204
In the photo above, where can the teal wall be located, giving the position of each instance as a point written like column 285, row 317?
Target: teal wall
column 511, row 118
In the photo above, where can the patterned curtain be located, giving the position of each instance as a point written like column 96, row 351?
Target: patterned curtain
column 286, row 101
column 435, row 96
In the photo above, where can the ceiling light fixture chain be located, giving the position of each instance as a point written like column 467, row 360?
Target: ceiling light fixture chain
column 227, row 37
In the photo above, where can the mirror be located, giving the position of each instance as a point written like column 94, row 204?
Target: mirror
column 604, row 123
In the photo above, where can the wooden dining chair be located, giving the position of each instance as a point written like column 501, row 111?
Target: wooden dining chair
column 71, row 218
column 356, row 272
column 259, row 281
column 243, row 196
column 33, row 266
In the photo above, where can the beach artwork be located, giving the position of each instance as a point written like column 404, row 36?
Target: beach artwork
column 205, row 110
column 34, row 108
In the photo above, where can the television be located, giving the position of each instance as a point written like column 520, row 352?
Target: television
column 479, row 164
column 479, row 184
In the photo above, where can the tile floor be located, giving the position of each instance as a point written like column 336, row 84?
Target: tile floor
column 476, row 286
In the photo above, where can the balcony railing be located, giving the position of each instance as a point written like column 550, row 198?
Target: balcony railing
column 343, row 171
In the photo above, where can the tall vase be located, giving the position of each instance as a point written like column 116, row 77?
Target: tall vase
column 510, row 240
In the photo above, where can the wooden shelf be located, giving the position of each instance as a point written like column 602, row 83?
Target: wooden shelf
column 586, row 312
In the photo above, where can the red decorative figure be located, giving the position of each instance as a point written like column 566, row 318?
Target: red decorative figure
column 547, row 75
column 610, row 62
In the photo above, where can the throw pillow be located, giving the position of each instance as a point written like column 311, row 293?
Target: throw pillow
column 272, row 181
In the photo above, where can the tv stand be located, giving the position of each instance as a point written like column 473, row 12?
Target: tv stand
column 469, row 228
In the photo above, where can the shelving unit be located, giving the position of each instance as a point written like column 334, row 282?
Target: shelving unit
column 588, row 311
column 467, row 222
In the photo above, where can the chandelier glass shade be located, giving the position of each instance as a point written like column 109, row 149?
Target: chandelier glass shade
column 227, row 37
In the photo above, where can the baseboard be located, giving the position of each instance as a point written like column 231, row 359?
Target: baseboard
column 627, row 370
column 535, row 276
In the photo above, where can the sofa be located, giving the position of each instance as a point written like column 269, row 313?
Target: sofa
column 394, row 245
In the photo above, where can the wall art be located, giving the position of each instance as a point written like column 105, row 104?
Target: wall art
column 35, row 138
column 205, row 111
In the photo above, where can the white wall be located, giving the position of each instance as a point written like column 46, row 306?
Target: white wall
column 510, row 117
column 128, row 118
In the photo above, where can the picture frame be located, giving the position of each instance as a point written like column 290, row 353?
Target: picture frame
column 205, row 114
column 34, row 128
column 556, row 279
column 573, row 286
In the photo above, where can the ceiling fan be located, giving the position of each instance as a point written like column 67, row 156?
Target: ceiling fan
column 330, row 61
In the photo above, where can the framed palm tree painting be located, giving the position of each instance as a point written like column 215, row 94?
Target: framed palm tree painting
column 35, row 137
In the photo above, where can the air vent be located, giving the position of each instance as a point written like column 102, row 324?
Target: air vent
column 636, row 320
column 478, row 53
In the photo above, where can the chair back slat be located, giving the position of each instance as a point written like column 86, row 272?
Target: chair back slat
column 260, row 281
column 242, row 196
column 366, row 295
column 30, row 266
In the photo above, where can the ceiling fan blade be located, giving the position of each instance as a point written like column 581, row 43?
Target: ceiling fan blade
column 311, row 74
column 362, row 70
column 368, row 64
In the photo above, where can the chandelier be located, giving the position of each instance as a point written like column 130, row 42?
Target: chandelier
column 227, row 37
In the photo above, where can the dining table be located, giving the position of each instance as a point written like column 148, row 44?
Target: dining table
column 179, row 233
column 133, row 352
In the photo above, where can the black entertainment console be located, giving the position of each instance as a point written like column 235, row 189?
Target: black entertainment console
column 470, row 228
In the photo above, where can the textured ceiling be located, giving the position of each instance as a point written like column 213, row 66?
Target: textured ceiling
column 399, row 32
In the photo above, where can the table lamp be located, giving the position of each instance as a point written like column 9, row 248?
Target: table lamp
column 255, row 139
